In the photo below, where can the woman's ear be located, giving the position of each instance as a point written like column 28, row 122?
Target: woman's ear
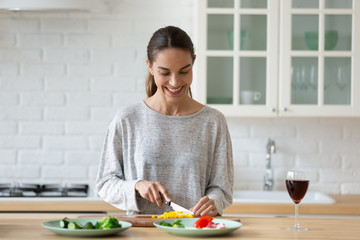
column 149, row 66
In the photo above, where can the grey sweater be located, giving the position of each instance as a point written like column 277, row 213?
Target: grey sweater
column 190, row 155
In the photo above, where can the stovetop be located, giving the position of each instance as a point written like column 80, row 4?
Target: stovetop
column 43, row 190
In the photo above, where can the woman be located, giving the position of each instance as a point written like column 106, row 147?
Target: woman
column 169, row 145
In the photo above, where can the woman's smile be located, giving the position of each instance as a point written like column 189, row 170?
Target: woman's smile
column 174, row 91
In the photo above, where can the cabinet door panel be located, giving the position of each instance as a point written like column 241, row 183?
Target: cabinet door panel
column 253, row 32
column 304, row 80
column 317, row 69
column 220, row 27
column 305, row 3
column 338, row 4
column 253, row 4
column 220, row 80
column 237, row 56
column 252, row 80
column 305, row 32
column 220, row 4
column 338, row 32
column 337, row 81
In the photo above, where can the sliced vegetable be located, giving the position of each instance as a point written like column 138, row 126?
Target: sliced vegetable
column 64, row 223
column 105, row 223
column 202, row 222
column 206, row 222
column 174, row 214
column 88, row 225
column 74, row 225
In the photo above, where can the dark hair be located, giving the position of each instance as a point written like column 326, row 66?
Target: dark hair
column 164, row 38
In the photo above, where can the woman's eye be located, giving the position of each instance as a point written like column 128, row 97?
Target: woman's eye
column 164, row 74
column 184, row 72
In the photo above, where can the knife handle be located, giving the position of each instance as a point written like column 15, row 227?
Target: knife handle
column 163, row 200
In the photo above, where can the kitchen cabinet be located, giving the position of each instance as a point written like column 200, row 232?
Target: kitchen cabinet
column 272, row 58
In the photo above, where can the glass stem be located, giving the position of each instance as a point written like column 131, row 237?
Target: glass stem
column 297, row 225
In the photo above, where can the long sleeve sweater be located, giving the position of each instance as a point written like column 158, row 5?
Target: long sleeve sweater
column 191, row 156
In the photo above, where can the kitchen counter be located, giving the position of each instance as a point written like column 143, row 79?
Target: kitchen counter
column 55, row 205
column 19, row 226
column 345, row 205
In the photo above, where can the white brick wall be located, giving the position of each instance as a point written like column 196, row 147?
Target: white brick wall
column 63, row 77
column 327, row 148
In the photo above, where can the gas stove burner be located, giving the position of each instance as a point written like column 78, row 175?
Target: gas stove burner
column 4, row 186
column 45, row 190
column 72, row 190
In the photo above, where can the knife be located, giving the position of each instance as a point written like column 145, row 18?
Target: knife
column 177, row 207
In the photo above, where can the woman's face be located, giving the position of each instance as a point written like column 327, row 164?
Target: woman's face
column 172, row 70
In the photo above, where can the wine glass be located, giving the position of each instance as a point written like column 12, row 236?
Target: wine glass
column 341, row 79
column 297, row 184
column 312, row 78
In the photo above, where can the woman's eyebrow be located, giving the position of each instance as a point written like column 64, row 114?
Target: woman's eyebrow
column 164, row 68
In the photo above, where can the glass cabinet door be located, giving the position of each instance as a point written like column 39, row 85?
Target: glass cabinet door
column 278, row 57
column 317, row 58
column 238, row 60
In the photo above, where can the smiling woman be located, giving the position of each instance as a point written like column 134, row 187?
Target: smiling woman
column 169, row 38
column 172, row 75
column 169, row 145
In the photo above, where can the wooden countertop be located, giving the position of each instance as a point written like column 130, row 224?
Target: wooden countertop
column 19, row 226
column 345, row 205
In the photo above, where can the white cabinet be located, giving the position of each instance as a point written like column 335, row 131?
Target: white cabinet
column 279, row 57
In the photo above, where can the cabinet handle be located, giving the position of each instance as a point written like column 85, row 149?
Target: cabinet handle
column 273, row 109
column 285, row 109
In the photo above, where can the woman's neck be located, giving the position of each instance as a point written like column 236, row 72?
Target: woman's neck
column 183, row 107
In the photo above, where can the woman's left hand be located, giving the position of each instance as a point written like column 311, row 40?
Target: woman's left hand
column 205, row 207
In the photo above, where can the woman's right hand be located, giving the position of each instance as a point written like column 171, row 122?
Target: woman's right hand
column 152, row 191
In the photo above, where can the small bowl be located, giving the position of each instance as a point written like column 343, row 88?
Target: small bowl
column 312, row 39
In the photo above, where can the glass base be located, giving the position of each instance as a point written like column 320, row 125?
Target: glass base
column 297, row 228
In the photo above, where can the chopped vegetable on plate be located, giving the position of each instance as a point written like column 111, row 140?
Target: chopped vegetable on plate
column 206, row 222
column 105, row 223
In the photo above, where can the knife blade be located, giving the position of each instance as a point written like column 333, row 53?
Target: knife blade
column 177, row 207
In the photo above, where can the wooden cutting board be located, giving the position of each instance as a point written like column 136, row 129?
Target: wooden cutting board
column 145, row 220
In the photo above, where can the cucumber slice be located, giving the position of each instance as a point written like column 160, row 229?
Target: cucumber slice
column 88, row 225
column 64, row 223
column 74, row 225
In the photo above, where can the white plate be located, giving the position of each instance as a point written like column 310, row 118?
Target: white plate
column 54, row 226
column 190, row 231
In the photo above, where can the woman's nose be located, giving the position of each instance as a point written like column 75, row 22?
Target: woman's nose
column 174, row 80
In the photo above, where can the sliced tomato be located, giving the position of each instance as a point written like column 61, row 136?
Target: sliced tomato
column 202, row 222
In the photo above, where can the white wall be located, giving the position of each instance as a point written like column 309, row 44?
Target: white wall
column 63, row 77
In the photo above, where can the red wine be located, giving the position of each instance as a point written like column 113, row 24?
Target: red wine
column 297, row 189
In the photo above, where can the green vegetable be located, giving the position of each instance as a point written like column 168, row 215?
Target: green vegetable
column 176, row 224
column 88, row 225
column 105, row 223
column 108, row 223
column 64, row 223
column 74, row 225
column 166, row 224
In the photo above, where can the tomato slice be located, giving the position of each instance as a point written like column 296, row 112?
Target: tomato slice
column 202, row 222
